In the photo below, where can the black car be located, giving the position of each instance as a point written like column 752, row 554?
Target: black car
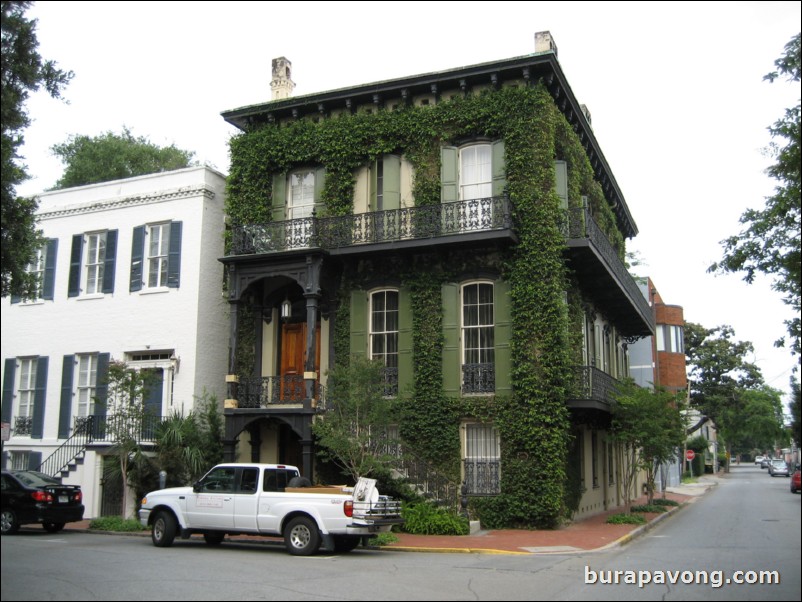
column 33, row 497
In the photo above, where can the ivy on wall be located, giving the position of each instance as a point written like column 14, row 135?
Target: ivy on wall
column 534, row 423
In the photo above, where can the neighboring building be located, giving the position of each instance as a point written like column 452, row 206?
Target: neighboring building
column 462, row 227
column 129, row 273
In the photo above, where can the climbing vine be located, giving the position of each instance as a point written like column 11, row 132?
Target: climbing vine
column 533, row 422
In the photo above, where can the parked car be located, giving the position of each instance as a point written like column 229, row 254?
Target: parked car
column 796, row 481
column 778, row 468
column 759, row 459
column 764, row 463
column 32, row 497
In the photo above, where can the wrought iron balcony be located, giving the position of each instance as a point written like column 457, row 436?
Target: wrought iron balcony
column 593, row 389
column 390, row 382
column 23, row 425
column 482, row 477
column 478, row 378
column 111, row 428
column 599, row 269
column 267, row 391
column 404, row 225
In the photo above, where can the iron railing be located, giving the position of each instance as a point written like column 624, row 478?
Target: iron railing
column 23, row 425
column 390, row 380
column 67, row 452
column 580, row 224
column 479, row 378
column 595, row 384
column 482, row 477
column 264, row 391
column 409, row 223
column 111, row 428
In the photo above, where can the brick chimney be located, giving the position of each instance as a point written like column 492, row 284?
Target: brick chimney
column 282, row 84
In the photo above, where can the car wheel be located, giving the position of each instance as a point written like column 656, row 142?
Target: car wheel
column 163, row 530
column 302, row 537
column 8, row 522
column 53, row 527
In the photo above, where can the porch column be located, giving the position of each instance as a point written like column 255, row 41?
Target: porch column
column 231, row 380
column 308, row 456
column 310, row 374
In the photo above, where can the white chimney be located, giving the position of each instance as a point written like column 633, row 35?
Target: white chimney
column 545, row 43
column 282, row 84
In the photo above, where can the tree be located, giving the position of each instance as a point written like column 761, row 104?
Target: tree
column 770, row 243
column 354, row 431
column 757, row 422
column 796, row 412
column 127, row 418
column 112, row 156
column 23, row 71
column 647, row 427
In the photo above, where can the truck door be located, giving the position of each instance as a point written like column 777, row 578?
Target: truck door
column 212, row 505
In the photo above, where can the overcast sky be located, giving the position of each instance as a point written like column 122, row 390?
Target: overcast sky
column 675, row 90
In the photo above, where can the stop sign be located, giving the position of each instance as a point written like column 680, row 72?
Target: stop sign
column 690, row 454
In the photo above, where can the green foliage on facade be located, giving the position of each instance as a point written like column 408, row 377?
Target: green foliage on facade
column 533, row 421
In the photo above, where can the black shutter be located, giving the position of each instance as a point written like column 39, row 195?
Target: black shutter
column 74, row 287
column 8, row 388
column 174, row 256
column 110, row 262
column 48, row 286
column 34, row 460
column 39, row 398
column 65, row 410
column 102, row 385
column 137, row 257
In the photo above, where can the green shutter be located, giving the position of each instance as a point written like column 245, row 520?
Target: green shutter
column 48, row 287
column 279, row 197
column 392, row 182
column 561, row 182
column 449, row 174
column 320, row 182
column 39, row 398
column 359, row 323
column 502, row 311
column 373, row 174
column 65, row 410
column 405, row 342
column 452, row 362
column 499, row 169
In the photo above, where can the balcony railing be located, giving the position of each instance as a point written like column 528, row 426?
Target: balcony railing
column 478, row 378
column 409, row 223
column 581, row 225
column 23, row 425
column 482, row 476
column 592, row 384
column 266, row 391
column 390, row 376
column 111, row 428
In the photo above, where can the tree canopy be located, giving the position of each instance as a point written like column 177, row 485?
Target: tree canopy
column 23, row 71
column 111, row 156
column 770, row 242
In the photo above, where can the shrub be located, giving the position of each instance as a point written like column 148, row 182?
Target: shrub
column 116, row 523
column 426, row 519
column 626, row 519
column 648, row 508
column 664, row 502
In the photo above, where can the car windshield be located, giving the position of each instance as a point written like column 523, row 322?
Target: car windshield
column 35, row 479
column 778, row 462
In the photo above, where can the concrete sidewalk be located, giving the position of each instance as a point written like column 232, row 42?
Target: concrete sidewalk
column 582, row 536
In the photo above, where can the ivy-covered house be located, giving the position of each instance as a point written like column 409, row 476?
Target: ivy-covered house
column 464, row 228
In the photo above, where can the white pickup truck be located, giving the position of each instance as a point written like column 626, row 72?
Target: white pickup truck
column 269, row 499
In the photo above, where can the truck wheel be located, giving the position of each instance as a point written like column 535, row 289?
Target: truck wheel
column 302, row 537
column 163, row 530
column 344, row 543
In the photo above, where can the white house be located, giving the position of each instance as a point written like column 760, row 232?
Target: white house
column 130, row 273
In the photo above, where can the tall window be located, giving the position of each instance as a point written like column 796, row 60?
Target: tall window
column 158, row 250
column 95, row 262
column 670, row 338
column 478, row 346
column 482, row 459
column 37, row 269
column 27, row 386
column 384, row 335
column 475, row 174
column 87, row 383
column 301, row 194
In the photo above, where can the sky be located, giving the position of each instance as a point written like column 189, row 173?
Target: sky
column 675, row 90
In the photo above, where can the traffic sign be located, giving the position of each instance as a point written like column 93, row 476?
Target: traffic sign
column 690, row 454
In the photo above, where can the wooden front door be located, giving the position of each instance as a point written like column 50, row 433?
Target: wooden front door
column 293, row 360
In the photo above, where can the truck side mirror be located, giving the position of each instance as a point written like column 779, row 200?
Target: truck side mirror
column 197, row 487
